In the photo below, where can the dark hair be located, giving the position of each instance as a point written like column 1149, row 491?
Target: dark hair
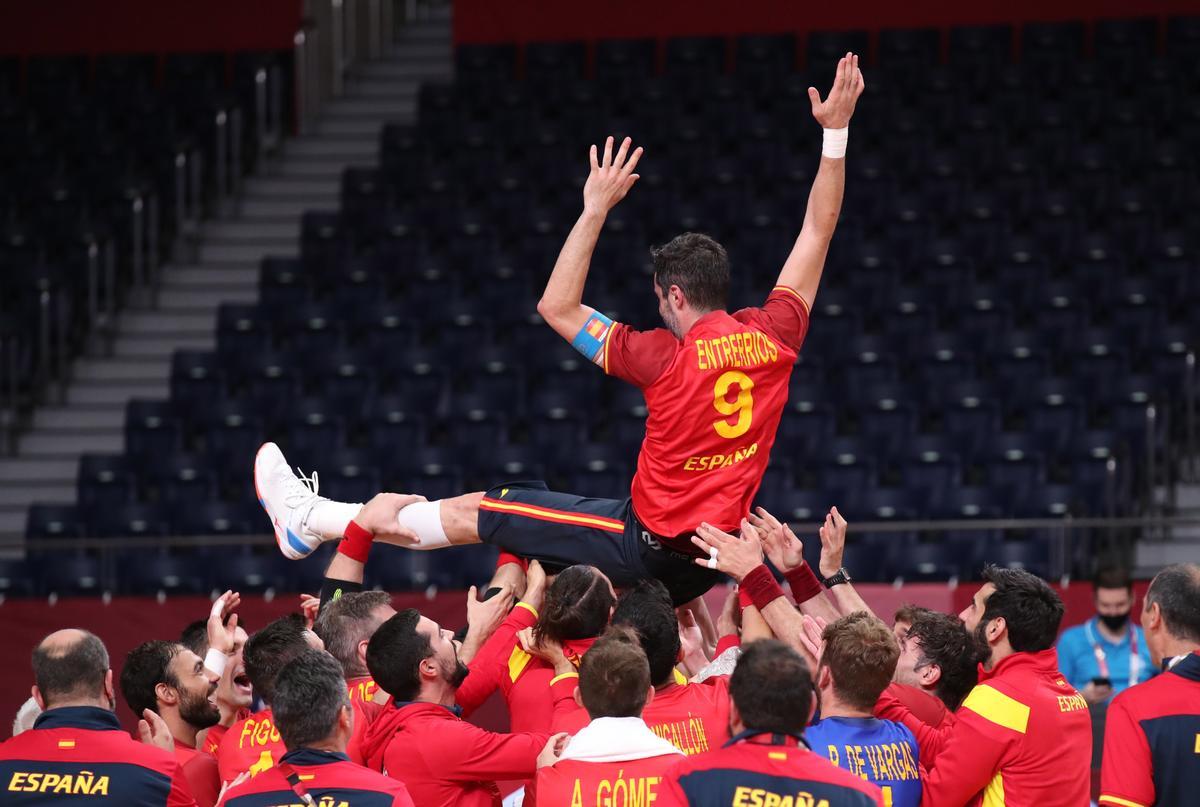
column 268, row 650
column 772, row 688
column 195, row 637
column 1114, row 577
column 1030, row 608
column 698, row 265
column 577, row 605
column 861, row 653
column 147, row 666
column 310, row 692
column 348, row 620
column 946, row 642
column 909, row 613
column 74, row 671
column 648, row 610
column 614, row 676
column 1176, row 589
column 395, row 653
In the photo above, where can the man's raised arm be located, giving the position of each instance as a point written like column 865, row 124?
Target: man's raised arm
column 802, row 270
column 562, row 303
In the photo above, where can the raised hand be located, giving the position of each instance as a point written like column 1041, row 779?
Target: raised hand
column 838, row 107
column 610, row 178
column 152, row 730
column 736, row 557
column 485, row 616
column 379, row 515
column 535, row 585
column 784, row 549
column 812, row 641
column 310, row 606
column 554, row 749
column 547, row 650
column 222, row 636
column 833, row 543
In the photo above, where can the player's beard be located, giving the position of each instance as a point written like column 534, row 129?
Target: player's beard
column 457, row 673
column 197, row 711
column 983, row 650
column 671, row 320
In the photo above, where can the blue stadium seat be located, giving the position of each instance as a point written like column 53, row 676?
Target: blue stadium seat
column 68, row 574
column 50, row 521
column 105, row 480
column 149, row 572
column 152, row 428
column 18, row 578
column 128, row 520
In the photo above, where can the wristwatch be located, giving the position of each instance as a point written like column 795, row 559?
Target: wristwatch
column 837, row 578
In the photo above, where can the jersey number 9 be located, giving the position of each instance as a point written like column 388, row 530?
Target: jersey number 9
column 742, row 406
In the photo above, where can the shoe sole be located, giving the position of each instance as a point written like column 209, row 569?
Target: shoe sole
column 289, row 544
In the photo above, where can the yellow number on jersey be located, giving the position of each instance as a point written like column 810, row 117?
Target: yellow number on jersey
column 743, row 407
column 264, row 763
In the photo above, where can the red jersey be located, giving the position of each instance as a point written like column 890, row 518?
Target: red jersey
column 755, row 770
column 331, row 779
column 925, row 707
column 365, row 713
column 1152, row 741
column 500, row 664
column 1022, row 738
column 80, row 755
column 692, row 717
column 252, row 744
column 202, row 774
column 444, row 761
column 714, row 401
column 362, row 689
column 213, row 736
column 571, row 781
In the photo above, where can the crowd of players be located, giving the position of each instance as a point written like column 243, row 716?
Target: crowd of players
column 616, row 698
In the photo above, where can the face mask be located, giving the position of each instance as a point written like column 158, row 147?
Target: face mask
column 1114, row 622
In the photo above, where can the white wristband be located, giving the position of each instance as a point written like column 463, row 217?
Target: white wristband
column 834, row 143
column 215, row 661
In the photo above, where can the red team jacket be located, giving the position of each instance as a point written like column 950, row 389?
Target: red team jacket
column 80, row 755
column 444, row 760
column 1152, row 741
column 692, row 717
column 1022, row 738
column 252, row 744
column 331, row 779
column 714, row 399
column 760, row 770
column 202, row 773
column 925, row 707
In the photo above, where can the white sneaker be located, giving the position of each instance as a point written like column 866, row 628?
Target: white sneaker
column 288, row 499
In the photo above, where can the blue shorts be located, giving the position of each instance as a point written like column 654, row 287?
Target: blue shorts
column 560, row 529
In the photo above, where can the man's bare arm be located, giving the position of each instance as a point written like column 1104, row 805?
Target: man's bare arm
column 562, row 302
column 833, row 544
column 803, row 268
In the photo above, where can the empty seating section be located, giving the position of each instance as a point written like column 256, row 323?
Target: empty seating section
column 1012, row 287
column 104, row 162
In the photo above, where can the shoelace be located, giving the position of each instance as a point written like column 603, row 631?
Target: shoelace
column 303, row 486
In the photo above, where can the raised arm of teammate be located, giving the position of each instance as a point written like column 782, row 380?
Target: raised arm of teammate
column 562, row 302
column 802, row 270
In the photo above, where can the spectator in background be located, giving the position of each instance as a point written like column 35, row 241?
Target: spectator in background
column 420, row 739
column 77, row 745
column 315, row 719
column 616, row 746
column 1107, row 654
column 857, row 663
column 767, row 761
column 168, row 679
column 254, row 744
column 938, row 666
column 1152, row 746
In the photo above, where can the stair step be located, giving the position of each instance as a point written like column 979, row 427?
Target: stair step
column 160, row 348
column 21, row 470
column 366, row 109
column 13, row 522
column 385, row 90
column 87, row 417
column 336, row 146
column 90, row 369
column 319, row 168
column 245, row 252
column 24, row 494
column 96, row 393
column 59, row 443
column 155, row 322
column 283, row 206
column 368, row 130
column 195, row 299
column 211, row 274
column 291, row 188
column 405, row 71
column 232, row 231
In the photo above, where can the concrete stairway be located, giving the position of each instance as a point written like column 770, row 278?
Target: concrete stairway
column 182, row 315
column 1182, row 544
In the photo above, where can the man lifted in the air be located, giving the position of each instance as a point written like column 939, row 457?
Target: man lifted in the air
column 715, row 385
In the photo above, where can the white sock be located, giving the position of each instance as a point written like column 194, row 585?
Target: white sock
column 329, row 519
column 425, row 519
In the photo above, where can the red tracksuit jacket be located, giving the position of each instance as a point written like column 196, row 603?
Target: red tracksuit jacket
column 754, row 770
column 444, row 760
column 202, row 774
column 79, row 755
column 1022, row 738
column 328, row 777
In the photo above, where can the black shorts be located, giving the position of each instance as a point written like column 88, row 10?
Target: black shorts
column 560, row 529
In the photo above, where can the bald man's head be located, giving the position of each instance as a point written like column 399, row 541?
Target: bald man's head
column 70, row 667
